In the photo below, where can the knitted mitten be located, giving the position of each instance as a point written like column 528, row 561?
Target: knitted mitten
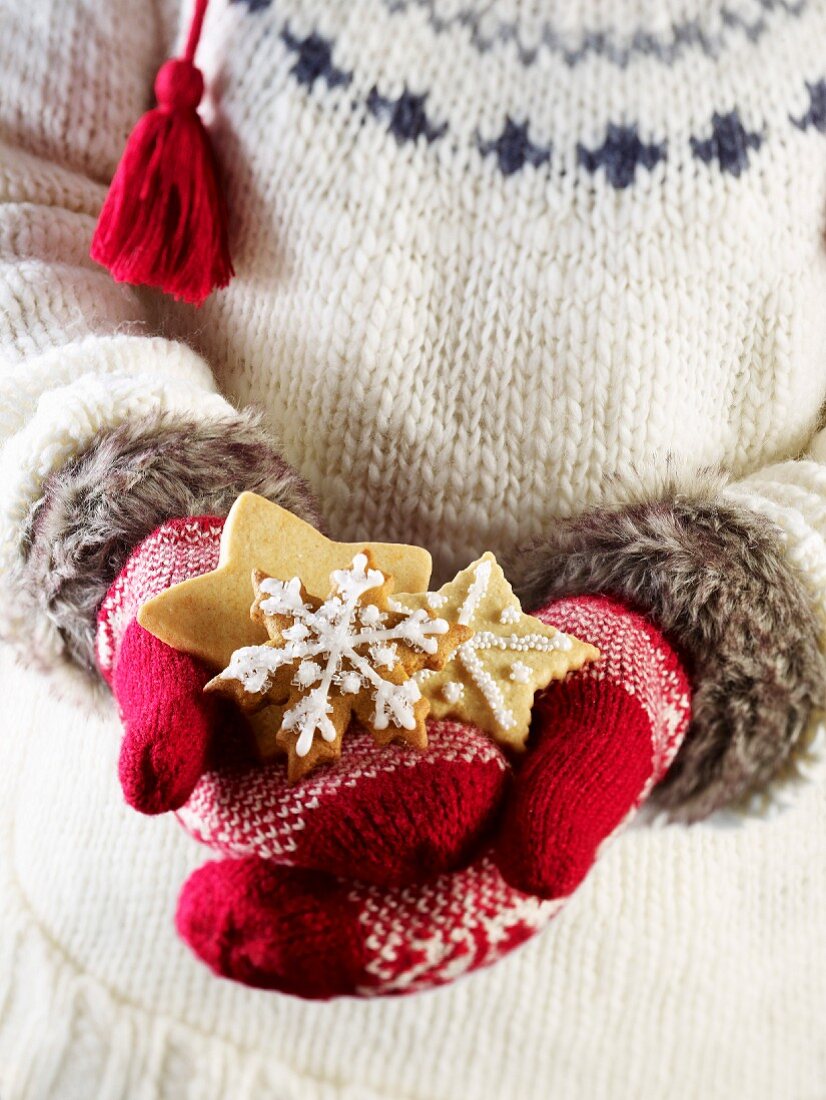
column 317, row 936
column 602, row 738
column 167, row 719
column 390, row 816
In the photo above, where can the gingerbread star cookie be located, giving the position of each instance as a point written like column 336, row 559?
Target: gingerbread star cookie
column 492, row 677
column 327, row 661
column 208, row 616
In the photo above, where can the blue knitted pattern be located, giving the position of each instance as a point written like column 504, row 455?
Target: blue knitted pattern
column 682, row 36
column 624, row 153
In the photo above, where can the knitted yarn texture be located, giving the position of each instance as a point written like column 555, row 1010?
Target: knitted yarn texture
column 388, row 818
column 496, row 261
column 466, row 306
column 602, row 738
column 382, row 821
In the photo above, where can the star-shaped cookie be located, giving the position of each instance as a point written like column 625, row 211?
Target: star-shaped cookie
column 491, row 678
column 208, row 616
column 327, row 661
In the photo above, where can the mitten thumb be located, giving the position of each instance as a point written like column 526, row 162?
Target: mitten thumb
column 167, row 721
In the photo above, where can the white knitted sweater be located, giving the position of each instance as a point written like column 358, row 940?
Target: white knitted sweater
column 497, row 261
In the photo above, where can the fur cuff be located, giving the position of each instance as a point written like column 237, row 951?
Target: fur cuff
column 716, row 580
column 97, row 507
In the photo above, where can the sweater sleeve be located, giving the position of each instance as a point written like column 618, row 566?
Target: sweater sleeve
column 792, row 495
column 84, row 386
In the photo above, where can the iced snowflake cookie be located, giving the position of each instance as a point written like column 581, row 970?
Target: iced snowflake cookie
column 327, row 661
column 491, row 679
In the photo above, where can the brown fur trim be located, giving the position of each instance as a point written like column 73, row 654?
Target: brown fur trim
column 97, row 507
column 715, row 578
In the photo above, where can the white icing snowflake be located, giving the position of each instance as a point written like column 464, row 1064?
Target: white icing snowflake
column 338, row 645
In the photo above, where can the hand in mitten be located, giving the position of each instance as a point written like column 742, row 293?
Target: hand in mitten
column 266, row 916
column 374, row 811
column 168, row 721
column 79, row 579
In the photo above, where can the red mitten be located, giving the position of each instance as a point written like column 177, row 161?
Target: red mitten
column 385, row 815
column 601, row 739
column 167, row 719
column 318, row 936
column 395, row 816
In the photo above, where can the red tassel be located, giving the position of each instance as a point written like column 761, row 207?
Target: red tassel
column 164, row 221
